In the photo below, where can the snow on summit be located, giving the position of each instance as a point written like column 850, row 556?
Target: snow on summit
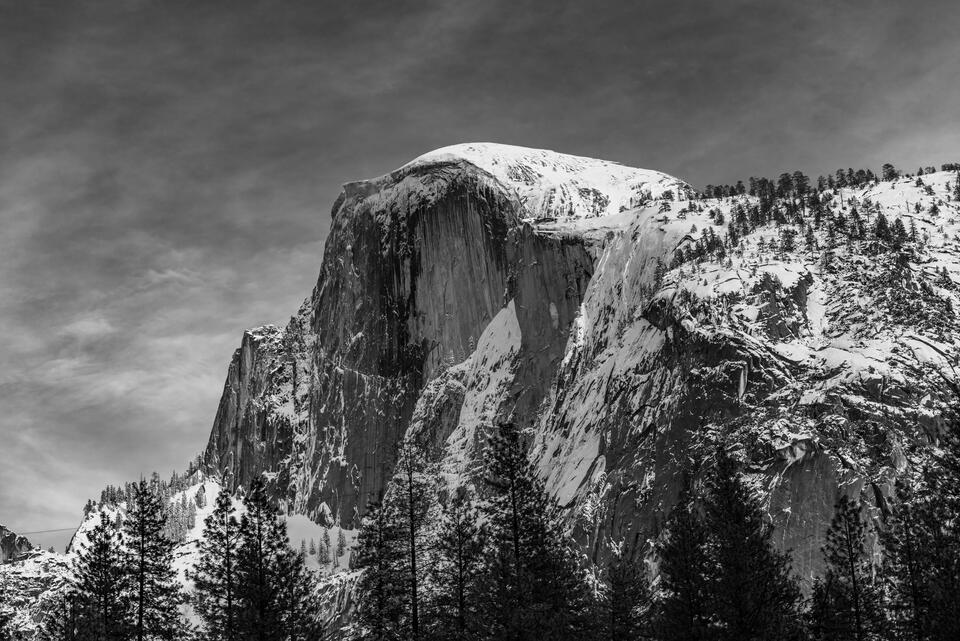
column 555, row 185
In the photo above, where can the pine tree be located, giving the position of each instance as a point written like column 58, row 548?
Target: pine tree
column 906, row 569
column 531, row 581
column 215, row 575
column 406, row 505
column 786, row 240
column 922, row 545
column 898, row 233
column 188, row 520
column 841, row 178
column 262, row 545
column 65, row 620
column 155, row 594
column 942, row 516
column 313, row 547
column 856, row 224
column 659, row 271
column 98, row 607
column 173, row 522
column 454, row 574
column 846, row 601
column 323, row 552
column 299, row 605
column 943, row 583
column 682, row 608
column 274, row 587
column 752, row 594
column 381, row 604
column 411, row 495
column 626, row 601
column 881, row 228
column 827, row 260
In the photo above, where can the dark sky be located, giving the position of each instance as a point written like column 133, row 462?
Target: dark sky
column 167, row 167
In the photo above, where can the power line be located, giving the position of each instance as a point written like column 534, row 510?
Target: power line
column 63, row 529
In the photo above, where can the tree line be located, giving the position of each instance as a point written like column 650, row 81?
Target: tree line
column 180, row 514
column 325, row 551
column 798, row 208
column 248, row 584
column 446, row 564
column 502, row 567
column 458, row 569
column 821, row 221
column 797, row 181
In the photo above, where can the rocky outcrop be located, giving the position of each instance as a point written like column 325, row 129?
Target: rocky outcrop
column 31, row 588
column 12, row 545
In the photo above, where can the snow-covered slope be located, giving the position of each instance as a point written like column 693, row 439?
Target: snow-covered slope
column 39, row 576
column 554, row 185
column 828, row 366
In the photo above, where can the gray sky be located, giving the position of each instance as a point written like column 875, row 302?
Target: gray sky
column 167, row 167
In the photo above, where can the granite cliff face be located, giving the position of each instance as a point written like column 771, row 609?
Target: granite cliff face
column 417, row 266
column 12, row 545
column 481, row 282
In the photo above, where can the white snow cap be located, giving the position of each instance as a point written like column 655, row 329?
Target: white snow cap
column 555, row 185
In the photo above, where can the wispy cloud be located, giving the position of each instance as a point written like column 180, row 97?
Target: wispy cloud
column 88, row 326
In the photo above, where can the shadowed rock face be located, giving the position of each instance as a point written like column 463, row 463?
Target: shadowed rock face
column 12, row 545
